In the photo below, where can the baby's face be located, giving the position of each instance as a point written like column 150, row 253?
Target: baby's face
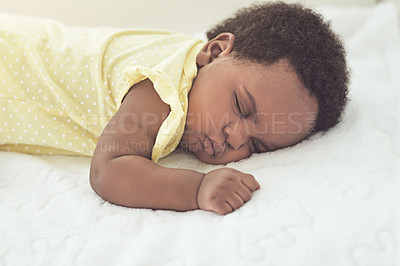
column 237, row 108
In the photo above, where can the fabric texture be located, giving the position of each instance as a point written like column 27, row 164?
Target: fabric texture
column 332, row 200
column 59, row 85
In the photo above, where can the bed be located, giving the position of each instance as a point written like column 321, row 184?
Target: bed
column 331, row 200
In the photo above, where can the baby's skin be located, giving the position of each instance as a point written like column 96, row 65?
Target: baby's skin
column 236, row 108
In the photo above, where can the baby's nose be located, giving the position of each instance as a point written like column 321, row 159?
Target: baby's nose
column 236, row 135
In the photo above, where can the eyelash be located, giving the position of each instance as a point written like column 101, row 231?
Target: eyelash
column 242, row 115
column 239, row 109
column 256, row 149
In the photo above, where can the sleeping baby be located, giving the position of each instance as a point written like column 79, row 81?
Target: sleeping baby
column 267, row 78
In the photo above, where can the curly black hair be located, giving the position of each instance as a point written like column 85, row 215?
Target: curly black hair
column 267, row 32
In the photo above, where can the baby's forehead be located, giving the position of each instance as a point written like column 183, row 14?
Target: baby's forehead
column 279, row 75
column 277, row 65
column 280, row 72
column 278, row 91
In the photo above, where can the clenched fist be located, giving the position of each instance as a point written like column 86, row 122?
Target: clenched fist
column 225, row 190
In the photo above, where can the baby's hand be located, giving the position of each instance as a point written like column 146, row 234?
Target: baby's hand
column 225, row 190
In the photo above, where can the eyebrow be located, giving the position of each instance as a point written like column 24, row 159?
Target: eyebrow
column 254, row 109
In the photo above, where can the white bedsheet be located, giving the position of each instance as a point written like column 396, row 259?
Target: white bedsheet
column 332, row 200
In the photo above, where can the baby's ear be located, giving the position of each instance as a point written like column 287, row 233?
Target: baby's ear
column 220, row 46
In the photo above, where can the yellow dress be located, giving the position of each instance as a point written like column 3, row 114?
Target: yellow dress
column 59, row 86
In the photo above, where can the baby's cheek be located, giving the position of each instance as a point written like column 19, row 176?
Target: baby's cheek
column 235, row 155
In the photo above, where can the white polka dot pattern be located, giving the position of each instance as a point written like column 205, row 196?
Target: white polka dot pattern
column 59, row 86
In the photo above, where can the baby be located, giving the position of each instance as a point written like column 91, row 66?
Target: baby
column 267, row 78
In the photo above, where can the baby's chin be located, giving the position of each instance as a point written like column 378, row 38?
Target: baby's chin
column 205, row 158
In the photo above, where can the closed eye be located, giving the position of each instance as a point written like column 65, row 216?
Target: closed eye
column 239, row 107
column 255, row 147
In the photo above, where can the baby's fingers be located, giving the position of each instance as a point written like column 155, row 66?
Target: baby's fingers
column 235, row 201
column 223, row 208
column 250, row 182
column 244, row 193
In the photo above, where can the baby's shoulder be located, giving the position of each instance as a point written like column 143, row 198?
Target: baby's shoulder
column 143, row 105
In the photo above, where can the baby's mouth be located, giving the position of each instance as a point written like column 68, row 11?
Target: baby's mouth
column 213, row 148
column 208, row 147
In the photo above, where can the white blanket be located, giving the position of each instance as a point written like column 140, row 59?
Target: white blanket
column 332, row 200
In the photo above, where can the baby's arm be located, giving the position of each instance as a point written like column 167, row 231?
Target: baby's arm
column 123, row 173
